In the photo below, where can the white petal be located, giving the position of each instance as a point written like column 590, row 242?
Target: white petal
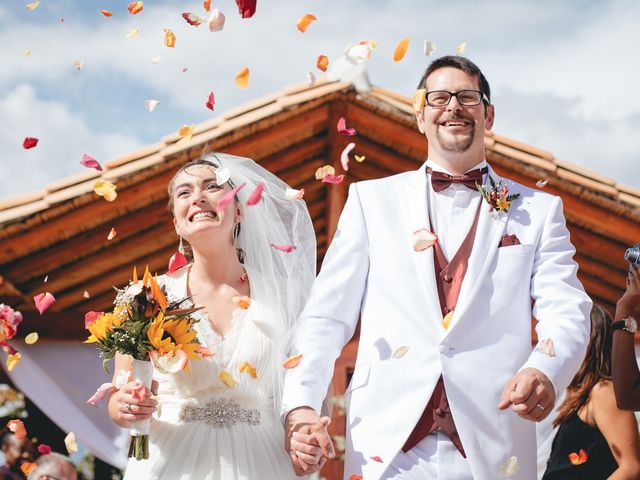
column 151, row 104
column 423, row 239
column 222, row 175
column 216, row 20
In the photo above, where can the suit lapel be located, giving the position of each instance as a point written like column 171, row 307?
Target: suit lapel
column 491, row 227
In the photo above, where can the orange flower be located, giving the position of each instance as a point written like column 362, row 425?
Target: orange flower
column 578, row 458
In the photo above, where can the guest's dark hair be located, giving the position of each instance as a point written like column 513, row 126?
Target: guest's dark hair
column 595, row 367
column 461, row 63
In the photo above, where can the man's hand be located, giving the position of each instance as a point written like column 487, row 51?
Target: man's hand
column 530, row 394
column 307, row 440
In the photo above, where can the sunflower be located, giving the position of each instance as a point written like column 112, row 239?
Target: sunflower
column 167, row 336
column 101, row 326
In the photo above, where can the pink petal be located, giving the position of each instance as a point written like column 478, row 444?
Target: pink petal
column 284, row 248
column 90, row 162
column 343, row 130
column 192, row 19
column 377, row 459
column 91, row 317
column 177, row 261
column 211, row 102
column 344, row 156
column 335, row 179
column 29, row 142
column 44, row 449
column 44, row 301
column 100, row 393
column 228, row 197
column 256, row 195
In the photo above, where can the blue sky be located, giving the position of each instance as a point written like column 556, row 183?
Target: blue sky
column 562, row 73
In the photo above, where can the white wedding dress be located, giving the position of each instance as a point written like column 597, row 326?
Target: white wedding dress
column 206, row 430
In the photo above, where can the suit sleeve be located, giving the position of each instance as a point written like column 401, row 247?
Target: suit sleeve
column 331, row 314
column 561, row 305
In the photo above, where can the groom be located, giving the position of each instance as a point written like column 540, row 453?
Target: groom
column 446, row 384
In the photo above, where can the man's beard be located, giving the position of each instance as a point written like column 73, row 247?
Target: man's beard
column 458, row 145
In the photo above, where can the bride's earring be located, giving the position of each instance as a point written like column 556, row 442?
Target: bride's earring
column 181, row 247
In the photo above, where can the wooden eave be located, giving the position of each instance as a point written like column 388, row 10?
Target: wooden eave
column 60, row 232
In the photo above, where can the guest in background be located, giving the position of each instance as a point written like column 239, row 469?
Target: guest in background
column 54, row 466
column 16, row 452
column 595, row 439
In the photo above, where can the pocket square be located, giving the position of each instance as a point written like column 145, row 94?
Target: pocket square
column 508, row 241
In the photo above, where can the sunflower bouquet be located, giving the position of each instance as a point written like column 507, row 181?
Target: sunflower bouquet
column 152, row 329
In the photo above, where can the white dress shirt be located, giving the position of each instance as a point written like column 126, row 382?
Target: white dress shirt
column 452, row 210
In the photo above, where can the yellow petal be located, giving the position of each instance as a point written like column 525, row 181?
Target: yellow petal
column 359, row 158
column 133, row 33
column 27, row 52
column 227, row 379
column 419, row 99
column 510, row 467
column 401, row 49
column 105, row 189
column 70, row 442
column 461, row 48
column 242, row 77
column 447, row 320
column 169, row 38
column 13, row 361
column 324, row 171
column 31, row 338
column 248, row 368
column 400, row 351
column 241, row 301
column 33, row 5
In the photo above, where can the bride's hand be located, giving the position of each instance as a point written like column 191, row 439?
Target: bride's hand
column 130, row 406
column 308, row 442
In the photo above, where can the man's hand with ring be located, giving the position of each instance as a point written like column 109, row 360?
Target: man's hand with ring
column 530, row 394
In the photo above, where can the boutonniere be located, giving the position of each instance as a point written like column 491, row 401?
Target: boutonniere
column 497, row 195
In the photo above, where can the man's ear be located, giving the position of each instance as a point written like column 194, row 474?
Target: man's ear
column 420, row 121
column 489, row 116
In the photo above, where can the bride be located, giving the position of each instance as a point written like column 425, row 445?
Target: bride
column 219, row 419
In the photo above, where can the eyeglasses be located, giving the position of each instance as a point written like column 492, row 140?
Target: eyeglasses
column 468, row 98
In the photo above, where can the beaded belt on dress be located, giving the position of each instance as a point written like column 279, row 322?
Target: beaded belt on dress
column 219, row 412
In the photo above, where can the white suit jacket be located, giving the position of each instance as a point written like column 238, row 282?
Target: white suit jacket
column 371, row 271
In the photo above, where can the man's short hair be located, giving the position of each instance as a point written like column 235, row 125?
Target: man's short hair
column 50, row 465
column 461, row 63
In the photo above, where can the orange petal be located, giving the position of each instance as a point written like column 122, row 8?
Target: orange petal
column 105, row 189
column 578, row 458
column 305, row 21
column 355, row 477
column 204, row 352
column 401, row 49
column 28, row 467
column 292, row 362
column 322, row 63
column 207, row 5
column 70, row 442
column 17, row 427
column 169, row 38
column 31, row 338
column 248, row 368
column 106, row 13
column 112, row 234
column 241, row 301
column 242, row 77
column 135, row 7
column 227, row 379
column 419, row 99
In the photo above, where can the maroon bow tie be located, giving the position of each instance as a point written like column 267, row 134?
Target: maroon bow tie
column 441, row 180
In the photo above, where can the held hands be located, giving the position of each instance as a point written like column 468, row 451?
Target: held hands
column 133, row 404
column 629, row 303
column 307, row 440
column 530, row 394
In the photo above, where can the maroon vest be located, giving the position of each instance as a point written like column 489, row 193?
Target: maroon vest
column 449, row 276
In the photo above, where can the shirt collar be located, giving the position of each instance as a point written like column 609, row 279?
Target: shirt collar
column 439, row 168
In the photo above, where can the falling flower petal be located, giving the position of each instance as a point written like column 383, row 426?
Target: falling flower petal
column 70, row 442
column 246, row 7
column 323, row 171
column 542, row 183
column 242, row 77
column 241, row 301
column 256, row 195
column 359, row 158
column 344, row 157
column 226, row 378
column 100, row 393
column 578, row 458
column 17, row 427
column 311, row 79
column 28, row 467
column 292, row 362
column 510, row 467
column 112, row 234
column 151, row 105
column 419, row 99
column 29, row 142
column 31, row 338
column 423, row 239
column 204, row 352
column 293, row 194
column 216, row 20
column 288, row 248
column 44, row 449
column 192, row 19
column 359, row 53
column 400, row 352
column 228, row 197
column 322, row 63
column 157, row 59
column 211, row 102
column 177, row 261
column 78, row 65
column 45, row 279
column 169, row 38
column 133, row 33
column 546, row 347
column 376, row 459
column 305, row 21
column 429, row 47
column 86, row 294
column 27, row 52
column 461, row 48
column 207, row 5
column 222, row 175
column 355, row 477
column 401, row 49
column 43, row 301
column 91, row 317
column 13, row 360
column 105, row 189
column 333, row 179
column 343, row 130
column 185, row 69
column 135, row 7
column 185, row 132
column 106, row 13
column 248, row 368
column 169, row 363
column 447, row 320
column 33, row 5
column 90, row 162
